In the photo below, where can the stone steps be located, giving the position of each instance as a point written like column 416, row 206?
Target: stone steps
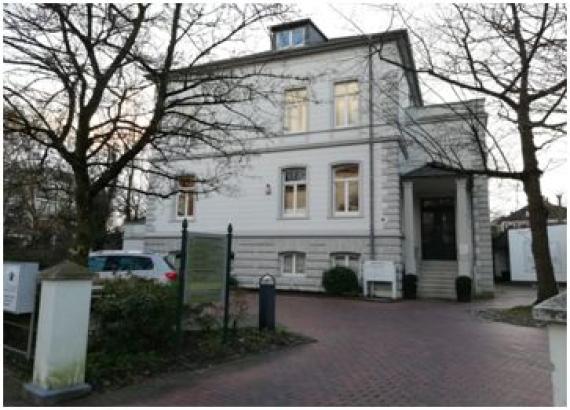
column 437, row 279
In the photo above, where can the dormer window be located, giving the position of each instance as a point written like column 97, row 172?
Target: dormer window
column 290, row 38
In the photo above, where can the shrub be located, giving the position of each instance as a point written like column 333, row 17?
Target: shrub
column 410, row 286
column 340, row 281
column 463, row 288
column 135, row 315
column 233, row 282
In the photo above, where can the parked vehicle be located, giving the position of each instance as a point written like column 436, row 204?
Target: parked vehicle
column 118, row 263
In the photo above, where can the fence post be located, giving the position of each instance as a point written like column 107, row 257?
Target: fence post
column 181, row 283
column 227, row 282
column 61, row 345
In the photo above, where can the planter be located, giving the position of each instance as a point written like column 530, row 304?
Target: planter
column 410, row 286
column 463, row 288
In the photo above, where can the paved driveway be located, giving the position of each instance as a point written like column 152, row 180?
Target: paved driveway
column 416, row 353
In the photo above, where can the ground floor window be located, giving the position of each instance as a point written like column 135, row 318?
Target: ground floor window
column 292, row 262
column 346, row 259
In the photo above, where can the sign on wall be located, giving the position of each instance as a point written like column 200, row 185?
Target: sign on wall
column 520, row 253
column 206, row 262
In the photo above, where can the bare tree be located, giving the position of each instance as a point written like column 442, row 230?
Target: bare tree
column 515, row 55
column 92, row 85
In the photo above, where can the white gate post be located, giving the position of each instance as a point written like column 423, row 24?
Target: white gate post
column 61, row 344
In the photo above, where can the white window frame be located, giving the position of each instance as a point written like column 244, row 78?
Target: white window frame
column 294, row 256
column 296, row 213
column 301, row 105
column 290, row 35
column 346, row 183
column 346, row 256
column 345, row 123
column 188, row 194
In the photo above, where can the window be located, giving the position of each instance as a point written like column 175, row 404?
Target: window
column 113, row 263
column 345, row 190
column 296, row 110
column 294, row 192
column 346, row 104
column 349, row 260
column 290, row 38
column 292, row 263
column 185, row 201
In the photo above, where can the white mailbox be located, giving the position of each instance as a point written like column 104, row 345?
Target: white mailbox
column 380, row 271
column 20, row 281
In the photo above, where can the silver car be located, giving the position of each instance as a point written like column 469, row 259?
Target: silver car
column 116, row 263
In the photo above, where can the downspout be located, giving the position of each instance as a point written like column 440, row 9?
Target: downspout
column 473, row 270
column 371, row 154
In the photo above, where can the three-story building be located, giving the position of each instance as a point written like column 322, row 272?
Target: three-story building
column 338, row 183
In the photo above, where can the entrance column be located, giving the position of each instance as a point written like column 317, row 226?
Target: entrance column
column 463, row 229
column 410, row 241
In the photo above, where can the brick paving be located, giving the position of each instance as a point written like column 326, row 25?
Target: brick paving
column 408, row 353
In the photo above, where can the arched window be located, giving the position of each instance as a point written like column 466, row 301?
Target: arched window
column 346, row 190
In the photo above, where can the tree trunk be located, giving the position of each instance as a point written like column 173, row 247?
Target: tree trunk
column 538, row 215
column 83, row 237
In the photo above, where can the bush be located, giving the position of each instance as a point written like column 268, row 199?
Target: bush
column 135, row 315
column 410, row 286
column 340, row 281
column 463, row 288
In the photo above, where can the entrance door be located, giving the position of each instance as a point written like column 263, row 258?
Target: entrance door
column 438, row 229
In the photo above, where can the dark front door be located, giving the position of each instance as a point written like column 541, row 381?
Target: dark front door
column 438, row 228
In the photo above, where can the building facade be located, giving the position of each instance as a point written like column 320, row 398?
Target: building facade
column 337, row 182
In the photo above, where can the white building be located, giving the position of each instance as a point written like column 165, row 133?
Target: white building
column 335, row 184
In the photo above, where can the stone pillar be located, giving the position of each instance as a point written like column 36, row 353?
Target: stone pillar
column 61, row 344
column 553, row 311
column 409, row 226
column 464, row 235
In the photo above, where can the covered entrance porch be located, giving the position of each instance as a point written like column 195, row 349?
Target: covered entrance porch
column 438, row 243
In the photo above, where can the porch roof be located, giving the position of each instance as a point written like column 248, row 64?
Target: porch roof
column 428, row 171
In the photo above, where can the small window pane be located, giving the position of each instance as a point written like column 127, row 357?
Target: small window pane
column 288, row 263
column 339, row 196
column 353, row 196
column 299, row 263
column 347, row 171
column 301, row 196
column 295, row 174
column 339, row 111
column 352, row 109
column 283, row 39
column 289, row 197
column 298, row 36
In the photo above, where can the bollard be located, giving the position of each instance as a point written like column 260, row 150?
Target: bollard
column 266, row 303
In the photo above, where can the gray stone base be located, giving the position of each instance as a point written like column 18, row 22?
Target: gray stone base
column 44, row 397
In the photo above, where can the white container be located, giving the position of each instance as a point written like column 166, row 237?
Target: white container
column 20, row 282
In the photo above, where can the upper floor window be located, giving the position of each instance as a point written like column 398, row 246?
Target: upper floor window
column 290, row 38
column 348, row 260
column 346, row 190
column 346, row 104
column 185, row 201
column 292, row 262
column 294, row 192
column 296, row 110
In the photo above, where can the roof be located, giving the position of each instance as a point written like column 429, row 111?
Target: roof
column 399, row 36
column 429, row 171
column 553, row 211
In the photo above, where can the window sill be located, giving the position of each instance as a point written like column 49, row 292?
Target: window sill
column 346, row 216
column 292, row 217
column 293, row 275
